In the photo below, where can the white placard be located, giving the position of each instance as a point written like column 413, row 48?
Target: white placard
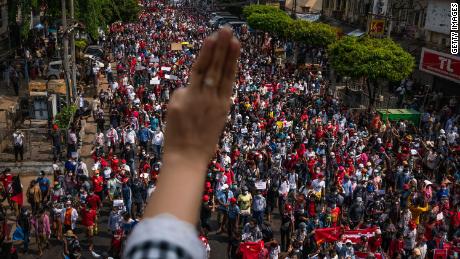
column 166, row 68
column 118, row 203
column 171, row 77
column 155, row 81
column 261, row 185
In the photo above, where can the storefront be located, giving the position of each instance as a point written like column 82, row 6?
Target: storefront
column 444, row 68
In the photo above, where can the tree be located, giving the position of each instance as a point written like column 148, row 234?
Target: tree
column 22, row 8
column 311, row 33
column 93, row 14
column 274, row 23
column 260, row 9
column 373, row 59
column 272, row 19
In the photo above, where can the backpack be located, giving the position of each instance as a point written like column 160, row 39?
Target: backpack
column 74, row 246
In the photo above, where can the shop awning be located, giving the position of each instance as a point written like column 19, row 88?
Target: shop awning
column 356, row 33
column 311, row 17
column 343, row 27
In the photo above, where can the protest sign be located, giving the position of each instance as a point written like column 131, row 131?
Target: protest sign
column 176, row 46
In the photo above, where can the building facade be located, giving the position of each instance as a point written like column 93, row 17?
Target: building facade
column 304, row 6
column 419, row 26
column 4, row 32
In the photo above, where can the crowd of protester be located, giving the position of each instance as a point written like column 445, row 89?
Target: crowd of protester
column 290, row 152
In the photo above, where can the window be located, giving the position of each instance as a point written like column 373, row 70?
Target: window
column 56, row 66
column 417, row 18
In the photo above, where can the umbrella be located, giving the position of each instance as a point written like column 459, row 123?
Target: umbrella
column 39, row 26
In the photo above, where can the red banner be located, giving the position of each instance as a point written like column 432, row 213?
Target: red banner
column 251, row 250
column 355, row 235
column 332, row 234
column 363, row 255
column 440, row 254
column 440, row 64
column 327, row 234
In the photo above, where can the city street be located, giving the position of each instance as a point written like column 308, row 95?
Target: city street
column 168, row 129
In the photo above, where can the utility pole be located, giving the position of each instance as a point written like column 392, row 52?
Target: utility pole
column 390, row 18
column 72, row 51
column 65, row 58
column 294, row 9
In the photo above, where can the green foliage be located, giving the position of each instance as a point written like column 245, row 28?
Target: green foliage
column 99, row 13
column 93, row 14
column 370, row 58
column 81, row 44
column 310, row 33
column 260, row 9
column 273, row 20
column 63, row 118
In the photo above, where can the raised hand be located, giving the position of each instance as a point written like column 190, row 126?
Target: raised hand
column 197, row 114
column 196, row 117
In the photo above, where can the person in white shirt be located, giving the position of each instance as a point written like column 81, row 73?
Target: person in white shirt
column 318, row 185
column 18, row 142
column 452, row 136
column 82, row 169
column 130, row 136
column 157, row 142
column 226, row 160
column 99, row 139
column 283, row 192
column 112, row 138
column 95, row 71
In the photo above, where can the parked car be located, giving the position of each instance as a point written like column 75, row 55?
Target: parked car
column 234, row 24
column 223, row 21
column 215, row 19
column 213, row 14
column 94, row 51
column 56, row 70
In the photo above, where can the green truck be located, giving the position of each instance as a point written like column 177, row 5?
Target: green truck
column 400, row 114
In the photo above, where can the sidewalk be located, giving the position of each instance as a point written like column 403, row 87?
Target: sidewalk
column 27, row 168
column 89, row 128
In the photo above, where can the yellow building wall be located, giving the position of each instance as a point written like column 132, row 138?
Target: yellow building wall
column 315, row 5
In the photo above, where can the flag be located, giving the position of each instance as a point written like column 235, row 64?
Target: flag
column 440, row 254
column 18, row 198
column 355, row 235
column 251, row 250
column 327, row 234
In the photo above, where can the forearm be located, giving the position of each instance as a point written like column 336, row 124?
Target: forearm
column 187, row 173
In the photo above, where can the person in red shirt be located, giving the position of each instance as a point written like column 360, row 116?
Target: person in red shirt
column 320, row 133
column 230, row 176
column 376, row 241
column 89, row 218
column 396, row 246
column 93, row 200
column 98, row 184
column 114, row 163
